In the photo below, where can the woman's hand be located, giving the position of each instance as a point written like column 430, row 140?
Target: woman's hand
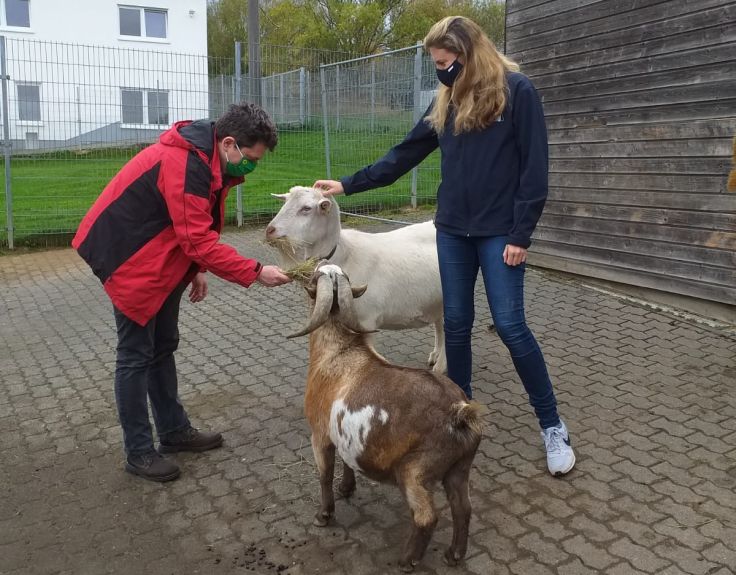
column 514, row 255
column 329, row 187
column 199, row 288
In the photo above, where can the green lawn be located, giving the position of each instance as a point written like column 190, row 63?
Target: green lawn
column 52, row 192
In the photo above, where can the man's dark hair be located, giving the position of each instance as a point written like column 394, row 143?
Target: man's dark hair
column 249, row 124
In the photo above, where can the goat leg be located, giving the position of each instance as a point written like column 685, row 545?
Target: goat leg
column 438, row 359
column 456, row 483
column 424, row 516
column 324, row 456
column 347, row 484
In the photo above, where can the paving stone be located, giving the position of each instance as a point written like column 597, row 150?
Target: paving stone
column 648, row 398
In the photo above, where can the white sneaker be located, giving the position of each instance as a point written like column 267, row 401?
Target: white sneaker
column 560, row 456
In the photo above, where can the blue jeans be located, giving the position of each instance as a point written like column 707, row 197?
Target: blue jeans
column 459, row 258
column 144, row 368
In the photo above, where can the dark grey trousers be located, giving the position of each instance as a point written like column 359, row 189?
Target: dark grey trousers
column 145, row 368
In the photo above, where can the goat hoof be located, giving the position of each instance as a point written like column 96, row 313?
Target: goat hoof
column 452, row 558
column 345, row 492
column 407, row 566
column 321, row 519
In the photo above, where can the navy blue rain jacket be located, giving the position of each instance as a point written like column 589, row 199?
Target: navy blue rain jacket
column 494, row 181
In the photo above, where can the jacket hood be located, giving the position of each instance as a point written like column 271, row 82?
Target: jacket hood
column 198, row 135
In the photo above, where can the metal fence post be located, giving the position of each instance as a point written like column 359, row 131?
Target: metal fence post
column 302, row 92
column 324, row 119
column 337, row 98
column 6, row 143
column 373, row 94
column 282, row 94
column 238, row 97
column 308, row 94
column 417, row 115
column 79, row 118
column 254, row 51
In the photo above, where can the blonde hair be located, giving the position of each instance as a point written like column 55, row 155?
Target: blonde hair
column 479, row 92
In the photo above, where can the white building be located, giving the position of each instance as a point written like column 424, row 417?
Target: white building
column 102, row 71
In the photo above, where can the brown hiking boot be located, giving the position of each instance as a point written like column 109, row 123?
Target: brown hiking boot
column 190, row 439
column 152, row 466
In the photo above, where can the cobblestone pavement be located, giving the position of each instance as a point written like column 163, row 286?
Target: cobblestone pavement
column 649, row 398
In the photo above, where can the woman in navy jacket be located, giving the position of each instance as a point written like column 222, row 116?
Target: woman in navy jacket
column 488, row 122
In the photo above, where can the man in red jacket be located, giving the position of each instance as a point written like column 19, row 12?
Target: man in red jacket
column 154, row 230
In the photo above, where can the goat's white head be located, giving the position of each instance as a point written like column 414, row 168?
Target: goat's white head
column 332, row 293
column 307, row 218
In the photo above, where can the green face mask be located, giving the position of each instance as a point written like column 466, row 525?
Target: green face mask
column 242, row 168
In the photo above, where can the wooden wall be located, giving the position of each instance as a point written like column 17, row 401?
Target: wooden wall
column 640, row 101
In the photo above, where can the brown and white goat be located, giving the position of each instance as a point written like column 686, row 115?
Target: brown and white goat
column 412, row 427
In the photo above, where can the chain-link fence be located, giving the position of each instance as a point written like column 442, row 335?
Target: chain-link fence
column 368, row 105
column 73, row 115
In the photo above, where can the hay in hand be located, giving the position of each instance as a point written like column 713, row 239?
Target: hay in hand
column 303, row 271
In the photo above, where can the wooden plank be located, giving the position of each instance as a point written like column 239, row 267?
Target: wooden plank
column 716, row 261
column 671, row 183
column 619, row 16
column 682, row 111
column 698, row 237
column 633, row 166
column 684, row 218
column 702, row 92
column 546, row 256
column 724, row 203
column 524, row 16
column 721, row 128
column 571, row 17
column 641, row 262
column 717, row 147
column 516, row 5
column 692, row 30
column 703, row 64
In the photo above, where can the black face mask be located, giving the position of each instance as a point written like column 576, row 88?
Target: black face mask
column 449, row 74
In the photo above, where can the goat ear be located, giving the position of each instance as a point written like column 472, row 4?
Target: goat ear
column 282, row 197
column 325, row 205
column 359, row 291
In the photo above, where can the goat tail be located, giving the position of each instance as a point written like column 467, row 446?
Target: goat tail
column 465, row 419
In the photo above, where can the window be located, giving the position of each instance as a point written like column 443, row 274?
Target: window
column 158, row 107
column 142, row 22
column 132, row 106
column 29, row 102
column 16, row 13
column 145, row 106
column 32, row 141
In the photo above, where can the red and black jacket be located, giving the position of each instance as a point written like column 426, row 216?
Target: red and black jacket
column 158, row 222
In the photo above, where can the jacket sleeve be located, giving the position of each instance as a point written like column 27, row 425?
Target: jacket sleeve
column 187, row 191
column 530, row 133
column 416, row 146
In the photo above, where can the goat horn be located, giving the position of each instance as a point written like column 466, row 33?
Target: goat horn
column 345, row 301
column 322, row 306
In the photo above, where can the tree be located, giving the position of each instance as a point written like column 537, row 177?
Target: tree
column 419, row 16
column 356, row 27
column 350, row 27
column 226, row 24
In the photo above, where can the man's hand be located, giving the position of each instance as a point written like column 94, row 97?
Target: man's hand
column 272, row 276
column 199, row 288
column 514, row 255
column 329, row 187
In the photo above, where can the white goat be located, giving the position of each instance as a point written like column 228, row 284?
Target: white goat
column 411, row 427
column 401, row 265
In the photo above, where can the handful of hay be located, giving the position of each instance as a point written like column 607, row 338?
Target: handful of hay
column 303, row 271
